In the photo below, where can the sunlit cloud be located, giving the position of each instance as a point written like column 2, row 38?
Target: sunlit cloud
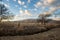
column 51, row 2
column 21, row 11
column 28, row 13
column 38, row 4
column 20, row 2
column 56, row 18
column 25, row 12
column 50, row 11
column 47, row 2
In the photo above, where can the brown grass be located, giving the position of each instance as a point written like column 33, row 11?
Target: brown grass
column 12, row 28
column 29, row 31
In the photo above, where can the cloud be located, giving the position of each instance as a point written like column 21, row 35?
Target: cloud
column 53, row 6
column 22, row 13
column 25, row 6
column 25, row 12
column 6, row 5
column 55, row 3
column 38, row 4
column 56, row 18
column 47, row 2
column 51, row 2
column 20, row 2
column 51, row 10
column 29, row 1
column 23, row 3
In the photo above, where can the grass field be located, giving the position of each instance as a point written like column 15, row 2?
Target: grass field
column 29, row 31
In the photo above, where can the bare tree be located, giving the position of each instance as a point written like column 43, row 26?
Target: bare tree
column 43, row 17
column 4, row 12
column 8, row 16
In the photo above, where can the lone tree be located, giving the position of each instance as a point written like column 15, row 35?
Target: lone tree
column 4, row 12
column 43, row 17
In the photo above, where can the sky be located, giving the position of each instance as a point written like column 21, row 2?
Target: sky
column 31, row 9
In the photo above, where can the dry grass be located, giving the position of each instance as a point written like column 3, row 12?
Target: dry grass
column 53, row 34
column 12, row 28
column 29, row 31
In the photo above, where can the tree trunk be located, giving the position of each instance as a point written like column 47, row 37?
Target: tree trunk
column 43, row 20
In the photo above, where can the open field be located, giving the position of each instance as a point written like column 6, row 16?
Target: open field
column 53, row 34
column 29, row 31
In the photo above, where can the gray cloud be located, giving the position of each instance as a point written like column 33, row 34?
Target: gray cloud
column 55, row 3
